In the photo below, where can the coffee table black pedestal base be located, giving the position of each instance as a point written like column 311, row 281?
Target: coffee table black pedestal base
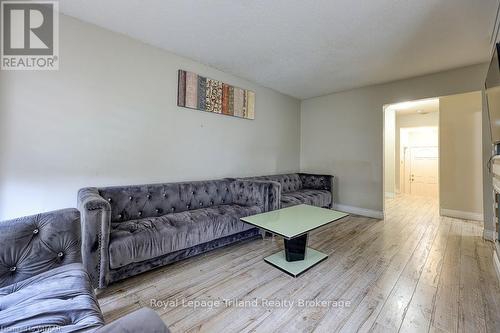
column 295, row 248
column 297, row 257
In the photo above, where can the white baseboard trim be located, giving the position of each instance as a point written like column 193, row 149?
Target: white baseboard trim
column 490, row 235
column 461, row 214
column 496, row 263
column 376, row 214
column 390, row 195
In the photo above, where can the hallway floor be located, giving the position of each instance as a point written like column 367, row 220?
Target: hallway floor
column 414, row 271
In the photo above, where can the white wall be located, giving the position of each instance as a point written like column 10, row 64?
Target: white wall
column 341, row 133
column 109, row 117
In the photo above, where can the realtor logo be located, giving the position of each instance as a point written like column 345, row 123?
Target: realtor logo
column 30, row 35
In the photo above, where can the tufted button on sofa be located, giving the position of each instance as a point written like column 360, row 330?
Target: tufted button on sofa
column 164, row 223
column 43, row 285
column 302, row 188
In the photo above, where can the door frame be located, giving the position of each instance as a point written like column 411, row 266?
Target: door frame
column 403, row 179
column 385, row 107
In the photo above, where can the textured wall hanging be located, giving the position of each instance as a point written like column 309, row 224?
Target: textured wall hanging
column 201, row 93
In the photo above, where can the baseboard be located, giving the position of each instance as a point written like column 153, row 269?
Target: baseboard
column 490, row 235
column 496, row 263
column 390, row 195
column 461, row 214
column 376, row 214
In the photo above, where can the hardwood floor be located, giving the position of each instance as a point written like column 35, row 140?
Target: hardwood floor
column 412, row 272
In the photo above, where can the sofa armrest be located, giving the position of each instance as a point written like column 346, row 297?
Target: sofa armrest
column 266, row 194
column 317, row 182
column 96, row 225
column 35, row 244
column 143, row 320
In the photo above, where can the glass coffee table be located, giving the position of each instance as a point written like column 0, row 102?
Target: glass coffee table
column 293, row 224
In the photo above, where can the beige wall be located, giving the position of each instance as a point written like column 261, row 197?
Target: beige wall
column 407, row 121
column 109, row 117
column 460, row 118
column 341, row 133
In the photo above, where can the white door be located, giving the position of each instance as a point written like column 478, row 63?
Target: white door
column 424, row 172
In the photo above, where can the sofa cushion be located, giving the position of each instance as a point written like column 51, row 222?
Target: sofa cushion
column 155, row 200
column 320, row 198
column 32, row 245
column 289, row 182
column 139, row 240
column 61, row 298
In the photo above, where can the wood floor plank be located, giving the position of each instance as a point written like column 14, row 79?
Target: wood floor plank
column 364, row 317
column 395, row 307
column 445, row 312
column 471, row 315
column 414, row 271
column 489, row 284
column 419, row 312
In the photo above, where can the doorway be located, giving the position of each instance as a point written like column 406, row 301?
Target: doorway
column 433, row 150
column 411, row 149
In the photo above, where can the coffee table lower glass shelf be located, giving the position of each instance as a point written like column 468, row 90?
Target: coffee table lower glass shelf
column 293, row 224
column 295, row 268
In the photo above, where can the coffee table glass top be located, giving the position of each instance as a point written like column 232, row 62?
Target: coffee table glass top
column 294, row 221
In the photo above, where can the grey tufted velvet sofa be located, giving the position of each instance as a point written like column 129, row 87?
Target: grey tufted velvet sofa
column 302, row 188
column 43, row 284
column 127, row 230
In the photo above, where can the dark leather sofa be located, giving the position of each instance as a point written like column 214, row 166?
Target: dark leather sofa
column 43, row 285
column 127, row 230
column 302, row 188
